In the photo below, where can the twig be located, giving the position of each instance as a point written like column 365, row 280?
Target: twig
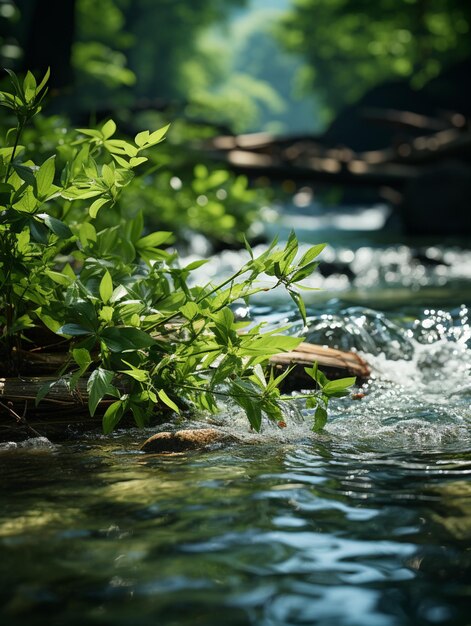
column 20, row 419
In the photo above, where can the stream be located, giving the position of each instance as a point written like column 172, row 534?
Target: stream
column 366, row 524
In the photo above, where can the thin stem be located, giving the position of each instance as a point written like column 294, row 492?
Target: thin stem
column 20, row 419
column 168, row 319
column 19, row 131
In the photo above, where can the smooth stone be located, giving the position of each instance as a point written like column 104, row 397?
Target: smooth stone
column 182, row 440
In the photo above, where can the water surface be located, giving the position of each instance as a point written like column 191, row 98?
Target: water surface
column 368, row 524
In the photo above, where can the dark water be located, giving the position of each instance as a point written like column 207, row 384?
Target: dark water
column 368, row 524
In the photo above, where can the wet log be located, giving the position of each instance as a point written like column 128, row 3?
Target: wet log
column 333, row 363
column 310, row 167
column 24, row 390
column 60, row 414
column 63, row 408
column 312, row 159
column 21, row 389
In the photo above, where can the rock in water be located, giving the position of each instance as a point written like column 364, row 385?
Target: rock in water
column 183, row 440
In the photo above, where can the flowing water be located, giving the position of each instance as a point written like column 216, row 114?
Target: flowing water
column 367, row 524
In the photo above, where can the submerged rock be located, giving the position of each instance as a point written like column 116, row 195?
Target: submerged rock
column 182, row 440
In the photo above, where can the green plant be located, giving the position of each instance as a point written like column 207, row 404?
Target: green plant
column 131, row 319
column 213, row 202
column 176, row 190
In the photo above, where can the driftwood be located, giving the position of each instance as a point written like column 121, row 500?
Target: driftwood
column 310, row 159
column 62, row 407
column 334, row 363
column 419, row 176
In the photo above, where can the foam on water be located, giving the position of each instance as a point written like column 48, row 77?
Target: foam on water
column 419, row 392
column 33, row 444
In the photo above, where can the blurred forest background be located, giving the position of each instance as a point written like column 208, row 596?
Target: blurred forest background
column 278, row 65
column 304, row 68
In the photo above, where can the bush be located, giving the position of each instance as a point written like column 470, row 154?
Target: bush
column 122, row 302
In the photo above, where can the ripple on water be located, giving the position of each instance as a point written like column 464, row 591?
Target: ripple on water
column 366, row 524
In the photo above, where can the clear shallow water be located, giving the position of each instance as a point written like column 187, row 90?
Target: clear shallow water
column 368, row 524
column 312, row 532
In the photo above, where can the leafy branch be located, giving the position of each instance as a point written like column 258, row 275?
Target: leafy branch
column 135, row 325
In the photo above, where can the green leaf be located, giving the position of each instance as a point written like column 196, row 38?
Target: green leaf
column 246, row 395
column 166, row 400
column 120, row 161
column 25, row 173
column 57, row 277
column 113, row 415
column 108, row 175
column 82, row 358
column 304, row 272
column 44, row 390
column 14, row 80
column 126, row 339
column 23, row 240
column 89, row 132
column 190, row 310
column 195, row 264
column 320, row 419
column 108, row 129
column 106, row 313
column 275, row 382
column 139, row 414
column 29, row 87
column 300, row 304
column 119, row 293
column 157, row 136
column 106, row 287
column 142, row 138
column 119, row 146
column 134, row 226
column 153, row 240
column 135, row 161
column 45, row 178
column 290, row 250
column 44, row 80
column 86, row 233
column 253, row 410
column 98, row 386
column 97, row 205
column 49, row 322
column 27, row 203
column 224, row 319
column 56, row 226
column 141, row 376
column 311, row 254
column 338, row 388
column 77, row 193
column 39, row 232
column 259, row 376
column 266, row 345
column 315, row 373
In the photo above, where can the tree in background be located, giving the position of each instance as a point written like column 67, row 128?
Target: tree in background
column 351, row 45
column 99, row 51
column 213, row 60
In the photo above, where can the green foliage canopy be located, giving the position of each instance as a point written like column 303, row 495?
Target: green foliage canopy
column 351, row 45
